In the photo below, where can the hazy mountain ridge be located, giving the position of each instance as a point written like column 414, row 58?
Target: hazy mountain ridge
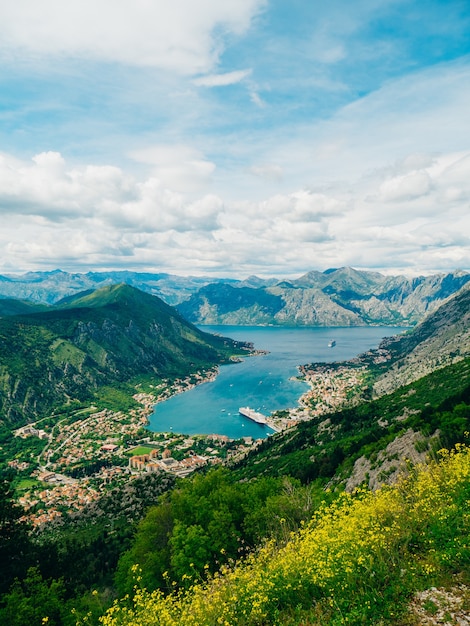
column 50, row 287
column 107, row 337
column 337, row 297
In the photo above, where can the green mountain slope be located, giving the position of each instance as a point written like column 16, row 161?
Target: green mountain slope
column 11, row 306
column 360, row 560
column 108, row 337
column 328, row 446
column 226, row 304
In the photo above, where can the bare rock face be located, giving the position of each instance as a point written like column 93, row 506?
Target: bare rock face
column 410, row 447
column 433, row 607
column 341, row 297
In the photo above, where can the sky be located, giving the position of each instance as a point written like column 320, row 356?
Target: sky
column 266, row 137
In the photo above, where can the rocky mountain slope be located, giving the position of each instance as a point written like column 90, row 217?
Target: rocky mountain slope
column 107, row 337
column 340, row 297
column 443, row 338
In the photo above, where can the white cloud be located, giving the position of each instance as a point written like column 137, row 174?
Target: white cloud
column 267, row 172
column 411, row 213
column 256, row 99
column 419, row 114
column 177, row 35
column 445, row 182
column 179, row 167
column 221, row 80
column 408, row 187
column 47, row 189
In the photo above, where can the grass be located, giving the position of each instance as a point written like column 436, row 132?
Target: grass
column 358, row 561
column 140, row 450
column 27, row 483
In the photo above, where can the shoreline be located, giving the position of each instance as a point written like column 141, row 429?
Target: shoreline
column 180, row 385
column 330, row 387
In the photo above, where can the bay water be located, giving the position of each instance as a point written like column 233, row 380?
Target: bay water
column 264, row 383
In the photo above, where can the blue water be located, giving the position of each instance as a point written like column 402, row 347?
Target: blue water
column 263, row 383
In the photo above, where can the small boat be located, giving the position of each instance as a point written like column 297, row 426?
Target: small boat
column 332, row 343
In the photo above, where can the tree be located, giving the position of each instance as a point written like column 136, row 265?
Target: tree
column 191, row 549
column 150, row 551
column 16, row 550
column 34, row 602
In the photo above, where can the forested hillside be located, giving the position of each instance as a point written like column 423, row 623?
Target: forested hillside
column 108, row 337
column 364, row 559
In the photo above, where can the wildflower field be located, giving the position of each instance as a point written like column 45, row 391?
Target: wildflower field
column 359, row 560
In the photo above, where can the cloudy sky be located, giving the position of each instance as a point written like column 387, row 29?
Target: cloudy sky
column 267, row 137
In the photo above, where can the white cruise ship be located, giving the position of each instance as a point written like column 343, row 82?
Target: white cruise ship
column 259, row 418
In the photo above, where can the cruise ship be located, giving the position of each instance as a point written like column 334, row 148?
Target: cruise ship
column 259, row 418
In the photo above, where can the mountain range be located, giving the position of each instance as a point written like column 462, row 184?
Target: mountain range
column 442, row 339
column 50, row 287
column 336, row 297
column 413, row 401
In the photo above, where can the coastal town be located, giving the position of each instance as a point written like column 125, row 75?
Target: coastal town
column 65, row 464
column 331, row 387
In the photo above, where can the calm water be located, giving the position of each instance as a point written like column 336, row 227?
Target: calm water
column 262, row 382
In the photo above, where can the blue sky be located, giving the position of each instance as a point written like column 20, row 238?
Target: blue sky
column 235, row 138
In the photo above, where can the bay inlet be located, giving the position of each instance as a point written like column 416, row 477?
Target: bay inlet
column 266, row 383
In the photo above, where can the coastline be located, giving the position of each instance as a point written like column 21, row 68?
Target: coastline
column 331, row 387
column 180, row 385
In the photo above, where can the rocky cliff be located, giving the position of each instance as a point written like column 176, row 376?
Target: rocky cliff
column 340, row 297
